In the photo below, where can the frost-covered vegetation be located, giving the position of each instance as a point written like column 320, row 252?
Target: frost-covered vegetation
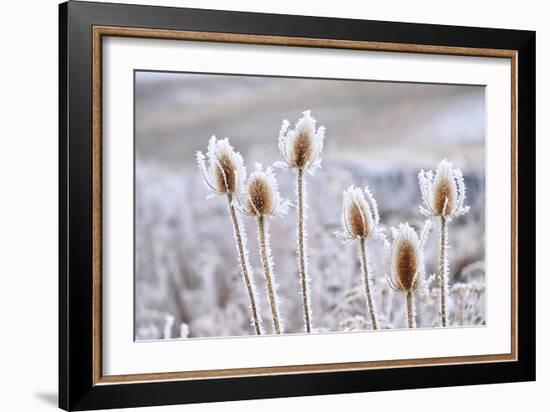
column 189, row 275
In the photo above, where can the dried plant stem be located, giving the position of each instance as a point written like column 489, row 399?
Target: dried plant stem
column 364, row 267
column 268, row 275
column 301, row 248
column 443, row 268
column 244, row 268
column 410, row 309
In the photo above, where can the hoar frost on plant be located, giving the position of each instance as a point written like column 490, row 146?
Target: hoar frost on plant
column 360, row 221
column 443, row 196
column 301, row 147
column 208, row 305
column 360, row 217
column 443, row 192
column 301, row 150
column 406, row 264
column 193, row 248
column 262, row 196
column 263, row 200
column 468, row 308
column 225, row 174
column 303, row 259
column 406, row 259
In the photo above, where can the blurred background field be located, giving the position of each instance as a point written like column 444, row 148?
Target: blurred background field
column 378, row 133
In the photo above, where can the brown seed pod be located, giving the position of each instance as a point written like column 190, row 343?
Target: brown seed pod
column 302, row 146
column 262, row 194
column 443, row 193
column 359, row 214
column 406, row 259
column 224, row 172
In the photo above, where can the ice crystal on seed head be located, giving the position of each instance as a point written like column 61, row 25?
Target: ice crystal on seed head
column 360, row 218
column 223, row 170
column 406, row 260
column 443, row 192
column 301, row 147
column 262, row 194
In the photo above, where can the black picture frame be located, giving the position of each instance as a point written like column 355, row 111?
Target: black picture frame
column 77, row 390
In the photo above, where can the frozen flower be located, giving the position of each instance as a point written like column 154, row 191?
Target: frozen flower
column 224, row 172
column 263, row 199
column 302, row 146
column 406, row 264
column 262, row 194
column 360, row 221
column 225, row 175
column 360, row 216
column 301, row 150
column 444, row 192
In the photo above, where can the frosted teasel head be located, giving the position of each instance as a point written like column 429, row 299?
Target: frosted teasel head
column 360, row 218
column 443, row 192
column 223, row 170
column 301, row 147
column 262, row 194
column 406, row 258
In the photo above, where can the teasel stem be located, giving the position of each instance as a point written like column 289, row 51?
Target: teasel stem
column 410, row 309
column 268, row 275
column 244, row 268
column 365, row 270
column 301, row 249
column 443, row 268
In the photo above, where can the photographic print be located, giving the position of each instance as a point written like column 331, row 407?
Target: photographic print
column 274, row 205
column 276, row 186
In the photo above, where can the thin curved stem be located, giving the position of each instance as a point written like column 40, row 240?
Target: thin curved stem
column 364, row 267
column 301, row 249
column 443, row 269
column 244, row 268
column 264, row 252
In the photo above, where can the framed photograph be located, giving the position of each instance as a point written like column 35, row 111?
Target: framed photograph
column 257, row 205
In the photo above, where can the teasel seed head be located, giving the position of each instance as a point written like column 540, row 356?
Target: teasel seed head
column 443, row 192
column 223, row 170
column 406, row 258
column 360, row 218
column 262, row 194
column 301, row 147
